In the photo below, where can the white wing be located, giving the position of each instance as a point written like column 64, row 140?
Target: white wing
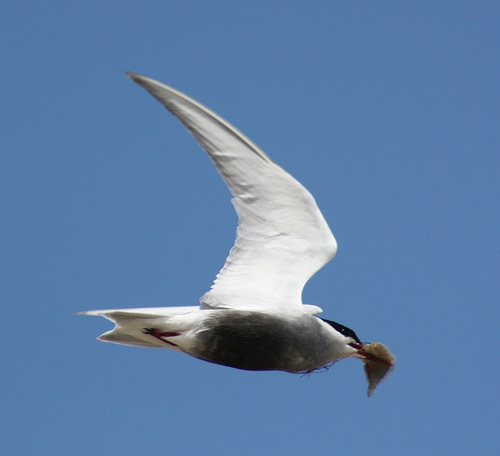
column 282, row 238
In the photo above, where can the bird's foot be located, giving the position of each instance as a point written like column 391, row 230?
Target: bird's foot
column 160, row 335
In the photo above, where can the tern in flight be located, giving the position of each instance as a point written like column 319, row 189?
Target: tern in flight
column 253, row 317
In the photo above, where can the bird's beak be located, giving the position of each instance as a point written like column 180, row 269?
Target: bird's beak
column 378, row 360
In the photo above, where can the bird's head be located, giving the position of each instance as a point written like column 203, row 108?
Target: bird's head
column 378, row 360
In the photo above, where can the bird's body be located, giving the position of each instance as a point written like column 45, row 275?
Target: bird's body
column 253, row 317
column 269, row 341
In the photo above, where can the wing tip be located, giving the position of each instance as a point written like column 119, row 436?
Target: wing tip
column 139, row 79
column 132, row 75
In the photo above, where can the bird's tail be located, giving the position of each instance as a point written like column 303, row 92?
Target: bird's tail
column 130, row 324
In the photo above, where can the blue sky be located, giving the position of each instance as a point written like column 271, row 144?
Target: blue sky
column 388, row 113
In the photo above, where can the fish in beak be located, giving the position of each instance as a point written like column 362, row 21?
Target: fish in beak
column 378, row 360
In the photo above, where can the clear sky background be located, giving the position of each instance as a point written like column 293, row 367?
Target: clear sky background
column 388, row 112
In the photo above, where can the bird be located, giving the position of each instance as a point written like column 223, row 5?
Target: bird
column 252, row 318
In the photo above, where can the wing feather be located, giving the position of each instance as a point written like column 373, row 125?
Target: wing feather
column 282, row 238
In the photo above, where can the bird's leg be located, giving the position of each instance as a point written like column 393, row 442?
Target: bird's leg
column 160, row 335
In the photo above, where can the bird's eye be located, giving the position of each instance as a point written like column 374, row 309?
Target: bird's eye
column 344, row 330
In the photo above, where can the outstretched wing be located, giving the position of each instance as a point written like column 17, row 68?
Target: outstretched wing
column 282, row 238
